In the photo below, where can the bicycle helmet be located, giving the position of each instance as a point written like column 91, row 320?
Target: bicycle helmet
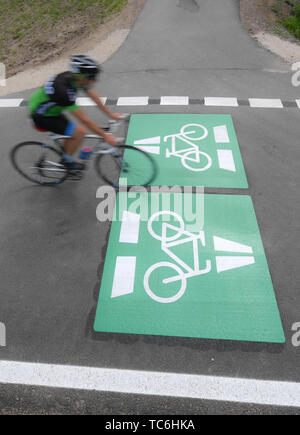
column 85, row 66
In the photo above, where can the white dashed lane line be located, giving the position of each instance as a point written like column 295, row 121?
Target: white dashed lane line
column 133, row 101
column 256, row 103
column 152, row 383
column 227, row 102
column 11, row 102
column 267, row 104
column 174, row 101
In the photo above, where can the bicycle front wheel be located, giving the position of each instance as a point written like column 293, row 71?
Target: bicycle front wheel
column 126, row 165
column 194, row 132
column 39, row 163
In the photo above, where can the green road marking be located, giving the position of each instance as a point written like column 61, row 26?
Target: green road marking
column 160, row 278
column 190, row 150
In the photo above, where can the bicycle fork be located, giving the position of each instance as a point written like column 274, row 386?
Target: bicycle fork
column 190, row 272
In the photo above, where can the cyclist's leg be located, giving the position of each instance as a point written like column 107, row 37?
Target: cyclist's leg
column 62, row 126
column 78, row 133
column 56, row 124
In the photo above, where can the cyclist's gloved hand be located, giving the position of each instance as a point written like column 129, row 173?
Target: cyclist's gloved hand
column 111, row 140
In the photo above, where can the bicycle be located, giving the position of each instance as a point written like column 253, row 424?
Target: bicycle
column 182, row 269
column 188, row 134
column 42, row 163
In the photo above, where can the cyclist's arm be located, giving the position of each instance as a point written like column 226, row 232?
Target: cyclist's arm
column 97, row 99
column 81, row 116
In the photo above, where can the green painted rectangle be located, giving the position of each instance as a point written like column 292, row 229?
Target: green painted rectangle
column 219, row 283
column 189, row 149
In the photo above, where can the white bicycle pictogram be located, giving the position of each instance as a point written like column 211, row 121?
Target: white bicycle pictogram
column 183, row 270
column 189, row 134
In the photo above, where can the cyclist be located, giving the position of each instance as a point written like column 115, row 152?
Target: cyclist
column 58, row 95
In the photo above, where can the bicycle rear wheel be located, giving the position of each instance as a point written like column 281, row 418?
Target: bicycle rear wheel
column 125, row 162
column 39, row 163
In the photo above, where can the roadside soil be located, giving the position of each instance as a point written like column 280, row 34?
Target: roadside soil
column 257, row 15
column 49, row 43
column 260, row 21
column 100, row 44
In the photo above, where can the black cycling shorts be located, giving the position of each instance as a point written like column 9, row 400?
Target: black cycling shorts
column 56, row 124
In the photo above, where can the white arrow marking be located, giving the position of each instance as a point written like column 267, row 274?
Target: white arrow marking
column 124, row 276
column 230, row 246
column 228, row 263
column 149, row 149
column 226, row 160
column 150, row 141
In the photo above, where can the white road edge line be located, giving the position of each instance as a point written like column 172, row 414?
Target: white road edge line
column 152, row 383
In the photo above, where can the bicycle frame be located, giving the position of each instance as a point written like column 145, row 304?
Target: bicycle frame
column 101, row 147
column 181, row 154
column 190, row 238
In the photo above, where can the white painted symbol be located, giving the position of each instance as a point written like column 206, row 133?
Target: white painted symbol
column 2, row 335
column 221, row 134
column 226, row 160
column 124, row 276
column 174, row 235
column 130, row 227
column 167, row 242
column 150, row 149
column 228, row 263
column 148, row 141
column 189, row 134
column 148, row 145
column 185, row 146
column 224, row 245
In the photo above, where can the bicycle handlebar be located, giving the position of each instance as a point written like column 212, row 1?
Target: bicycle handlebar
column 114, row 124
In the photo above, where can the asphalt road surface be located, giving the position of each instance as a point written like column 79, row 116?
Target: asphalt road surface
column 53, row 247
